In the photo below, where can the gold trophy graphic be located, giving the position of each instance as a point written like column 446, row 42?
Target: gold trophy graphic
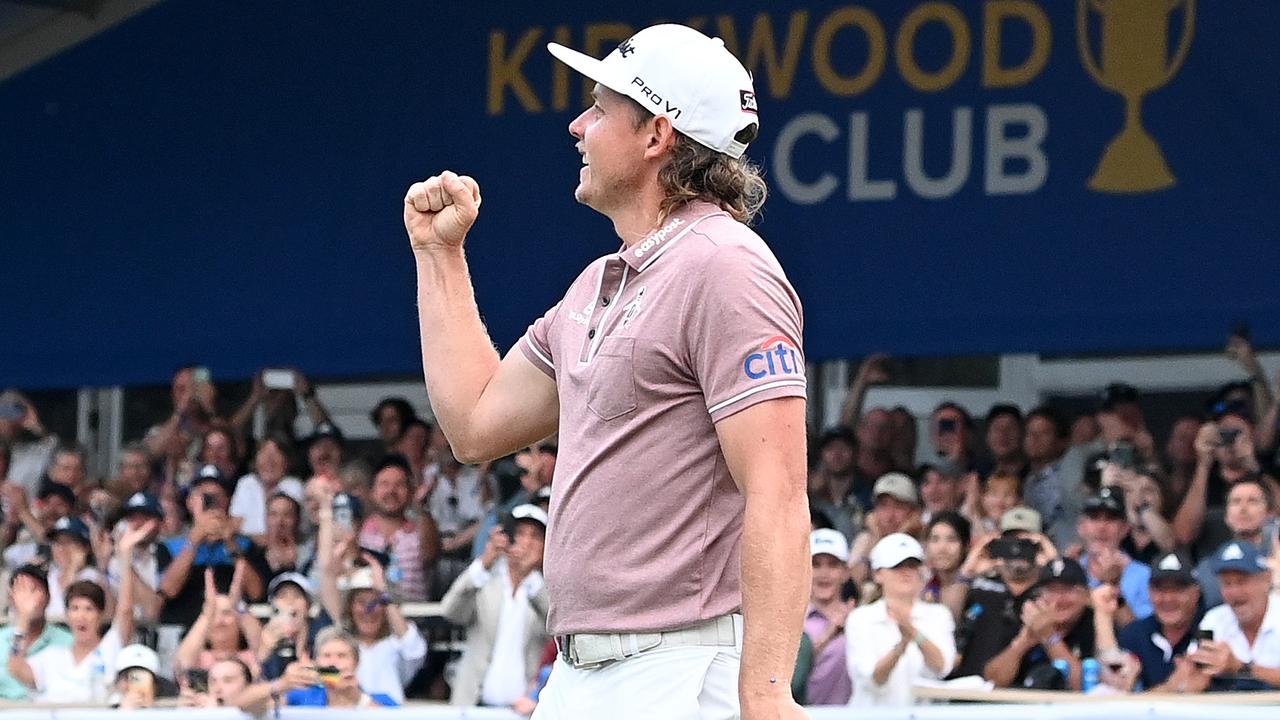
column 1133, row 61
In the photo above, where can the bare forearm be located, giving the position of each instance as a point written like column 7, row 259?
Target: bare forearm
column 19, row 670
column 933, row 657
column 1104, row 632
column 775, row 590
column 1190, row 517
column 189, row 651
column 885, row 665
column 176, row 576
column 853, row 401
column 458, row 359
column 1002, row 669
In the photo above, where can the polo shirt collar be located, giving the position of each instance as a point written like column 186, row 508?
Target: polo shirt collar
column 676, row 226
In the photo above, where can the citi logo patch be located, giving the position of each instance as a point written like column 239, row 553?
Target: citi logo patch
column 776, row 356
column 749, row 101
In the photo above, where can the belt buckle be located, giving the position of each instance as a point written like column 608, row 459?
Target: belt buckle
column 565, row 641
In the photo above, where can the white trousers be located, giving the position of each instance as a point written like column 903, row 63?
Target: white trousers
column 681, row 683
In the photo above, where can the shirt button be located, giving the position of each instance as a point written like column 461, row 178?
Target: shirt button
column 591, row 334
column 604, row 302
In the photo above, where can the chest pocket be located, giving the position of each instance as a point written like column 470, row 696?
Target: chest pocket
column 611, row 392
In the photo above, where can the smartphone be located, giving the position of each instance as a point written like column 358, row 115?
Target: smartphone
column 1201, row 635
column 198, row 680
column 201, row 375
column 1227, row 436
column 277, row 379
column 1123, row 454
column 209, row 500
column 947, row 426
column 329, row 674
column 1240, row 329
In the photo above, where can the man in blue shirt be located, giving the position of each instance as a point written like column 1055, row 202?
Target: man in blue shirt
column 1102, row 527
column 337, row 655
column 1160, row 640
column 211, row 543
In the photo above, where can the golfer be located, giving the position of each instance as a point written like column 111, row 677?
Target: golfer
column 677, row 552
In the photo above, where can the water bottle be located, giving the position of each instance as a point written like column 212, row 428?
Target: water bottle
column 1063, row 667
column 394, row 573
column 1091, row 674
column 98, row 678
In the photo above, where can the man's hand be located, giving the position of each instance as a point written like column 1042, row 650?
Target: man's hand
column 133, row 538
column 1216, row 658
column 439, row 211
column 1105, row 600
column 1206, row 442
column 298, row 675
column 1187, row 677
column 1037, row 619
column 873, row 370
column 1241, row 350
column 1107, row 565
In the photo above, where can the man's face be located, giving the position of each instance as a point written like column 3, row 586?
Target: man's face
column 1246, row 509
column 530, row 541
column 1246, row 593
column 1175, row 603
column 134, row 471
column 281, row 520
column 1041, row 443
column 940, row 492
column 829, row 575
column 1066, row 602
column 1004, row 437
column 875, row 430
column 612, row 151
column 226, row 681
column 892, row 514
column 390, row 491
column 1103, row 530
column 325, row 455
column 837, row 457
column 218, row 450
column 67, row 469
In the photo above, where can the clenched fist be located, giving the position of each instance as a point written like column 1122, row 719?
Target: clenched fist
column 440, row 210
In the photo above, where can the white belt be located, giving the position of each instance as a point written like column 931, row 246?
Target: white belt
column 587, row 651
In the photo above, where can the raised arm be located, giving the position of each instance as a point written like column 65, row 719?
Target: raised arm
column 189, row 651
column 487, row 407
column 764, row 448
column 124, row 556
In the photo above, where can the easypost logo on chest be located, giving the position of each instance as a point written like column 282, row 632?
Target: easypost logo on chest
column 776, row 356
column 657, row 238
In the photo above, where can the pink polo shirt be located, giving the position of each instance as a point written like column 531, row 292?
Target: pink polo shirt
column 649, row 348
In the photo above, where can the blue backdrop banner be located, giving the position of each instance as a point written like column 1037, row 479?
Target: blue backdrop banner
column 222, row 181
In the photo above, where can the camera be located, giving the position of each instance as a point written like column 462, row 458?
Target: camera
column 947, row 426
column 1012, row 548
column 198, row 680
column 1123, row 454
column 1227, row 436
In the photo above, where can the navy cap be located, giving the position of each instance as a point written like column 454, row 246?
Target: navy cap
column 72, row 526
column 211, row 473
column 324, row 430
column 1109, row 499
column 50, row 489
column 1118, row 394
column 1239, row 556
column 1064, row 570
column 143, row 503
column 1173, row 567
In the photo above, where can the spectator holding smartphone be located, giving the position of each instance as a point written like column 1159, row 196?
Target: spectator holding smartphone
column 79, row 672
column 30, row 446
column 335, row 681
column 290, row 632
column 1162, row 640
column 1244, row 653
column 502, row 602
column 138, row 682
column 212, row 543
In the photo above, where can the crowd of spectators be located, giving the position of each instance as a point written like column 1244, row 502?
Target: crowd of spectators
column 1030, row 549
column 257, row 558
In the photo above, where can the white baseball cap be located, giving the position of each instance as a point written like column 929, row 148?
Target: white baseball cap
column 530, row 512
column 825, row 541
column 137, row 656
column 895, row 549
column 678, row 72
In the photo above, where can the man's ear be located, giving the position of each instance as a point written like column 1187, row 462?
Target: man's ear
column 662, row 137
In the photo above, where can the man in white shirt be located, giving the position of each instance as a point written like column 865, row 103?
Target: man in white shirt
column 1245, row 650
column 503, row 603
